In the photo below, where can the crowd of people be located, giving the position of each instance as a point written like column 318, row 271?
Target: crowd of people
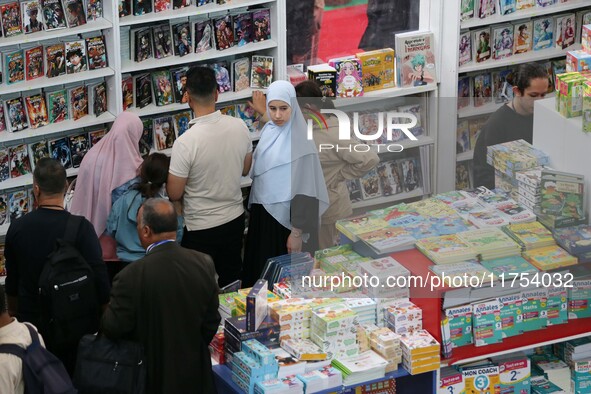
column 176, row 227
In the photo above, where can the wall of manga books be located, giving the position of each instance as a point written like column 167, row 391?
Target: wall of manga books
column 318, row 30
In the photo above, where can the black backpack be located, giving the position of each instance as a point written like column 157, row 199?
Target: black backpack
column 69, row 303
column 43, row 373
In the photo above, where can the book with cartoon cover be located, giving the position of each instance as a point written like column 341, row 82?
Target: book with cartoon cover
column 75, row 13
column 100, row 104
column 79, row 146
column 203, row 36
column 182, row 39
column 241, row 74
column 179, row 81
column 390, row 179
column 3, row 220
column 481, row 44
column 503, row 41
column 4, row 165
column 370, row 185
column 34, row 63
column 94, row 9
column 58, row 104
column 143, row 90
column 162, row 5
column 549, row 258
column 446, row 249
column 164, row 136
column 247, row 113
column 78, row 98
column 261, row 21
column 565, row 31
column 142, row 40
column 543, row 33
column 55, row 56
column 11, row 19
column 222, row 76
column 53, row 14
column 482, row 89
column 162, row 85
column 467, row 10
column 96, row 135
column 486, row 8
column 127, row 91
column 146, row 142
column 223, row 32
column 162, row 38
column 181, row 122
column 176, row 4
column 243, row 28
column 261, row 72
column 562, row 194
column 142, row 7
column 32, row 19
column 76, row 57
column 60, row 150
column 19, row 160
column 2, row 118
column 18, row 204
column 14, row 63
column 97, row 52
column 37, row 110
column 522, row 36
column 411, row 173
column 575, row 240
column 415, row 57
column 465, row 48
column 16, row 114
column 38, row 150
column 349, row 77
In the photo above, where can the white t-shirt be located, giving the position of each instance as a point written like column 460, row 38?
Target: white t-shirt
column 11, row 367
column 211, row 156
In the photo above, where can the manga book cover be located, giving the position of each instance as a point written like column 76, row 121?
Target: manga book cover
column 11, row 19
column 100, row 104
column 97, row 52
column 229, row 110
column 465, row 48
column 261, row 20
column 2, row 118
column 390, row 179
column 37, row 110
column 481, row 44
column 143, row 90
column 370, row 185
column 503, row 41
column 241, row 74
column 19, row 160
column 482, row 90
column 38, row 150
column 507, row 6
column 4, row 165
column 181, row 122
column 79, row 102
column 15, row 67
column 487, row 8
column 32, row 20
column 415, row 54
column 524, row 4
column 464, row 99
column 60, row 151
column 463, row 176
column 162, row 84
column 164, row 136
column 162, row 5
column 34, row 63
column 94, row 9
column 247, row 113
column 243, row 28
column 57, row 103
column 16, row 114
column 96, row 135
column 522, row 37
column 3, row 220
column 124, row 7
column 224, row 34
column 261, row 74
column 162, row 41
column 76, row 57
column 222, row 76
column 146, row 142
column 18, row 204
column 53, row 14
column 411, row 173
column 203, row 36
column 349, row 80
column 463, row 136
column 543, row 33
column 176, row 4
column 545, row 3
column 78, row 147
column 416, row 110
column 565, row 31
column 354, row 190
column 56, row 60
column 502, row 88
column 141, row 7
column 143, row 44
column 127, row 91
column 75, row 14
column 467, row 9
column 182, row 39
column 179, row 80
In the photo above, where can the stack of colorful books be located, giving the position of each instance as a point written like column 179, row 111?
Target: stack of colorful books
column 420, row 352
column 363, row 367
column 576, row 240
column 530, row 235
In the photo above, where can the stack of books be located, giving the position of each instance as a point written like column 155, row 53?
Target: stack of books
column 364, row 308
column 530, row 235
column 404, row 318
column 555, row 370
column 256, row 363
column 459, row 274
column 363, row 367
column 508, row 266
column 576, row 241
column 387, row 344
column 331, row 330
column 420, row 352
column 293, row 317
column 511, row 157
column 549, row 258
column 528, row 188
column 383, row 268
column 338, row 259
column 382, row 305
column 490, row 243
column 446, row 249
column 235, row 333
column 303, row 350
column 322, row 379
column 285, row 385
column 288, row 364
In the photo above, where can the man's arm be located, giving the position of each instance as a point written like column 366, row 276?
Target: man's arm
column 120, row 315
column 175, row 187
column 247, row 164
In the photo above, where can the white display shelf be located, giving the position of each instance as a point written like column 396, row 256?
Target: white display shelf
column 393, row 199
column 92, row 26
column 88, row 120
column 45, row 82
column 384, row 94
column 25, row 180
column 470, row 111
column 526, row 57
column 153, row 109
column 188, row 11
column 131, row 66
column 468, row 155
column 529, row 13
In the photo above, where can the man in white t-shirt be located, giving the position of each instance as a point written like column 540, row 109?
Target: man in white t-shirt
column 206, row 167
column 15, row 333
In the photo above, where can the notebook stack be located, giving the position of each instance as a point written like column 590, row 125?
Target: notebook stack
column 420, row 352
column 574, row 350
column 293, row 317
column 549, row 258
column 331, row 330
column 404, row 318
column 386, row 344
column 383, row 268
column 530, row 235
column 446, row 249
column 285, row 385
column 490, row 243
column 364, row 308
column 322, row 379
column 363, row 367
column 576, row 240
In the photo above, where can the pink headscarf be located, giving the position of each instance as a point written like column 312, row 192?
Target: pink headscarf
column 110, row 163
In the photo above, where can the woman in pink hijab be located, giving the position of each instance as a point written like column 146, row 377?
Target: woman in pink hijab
column 113, row 161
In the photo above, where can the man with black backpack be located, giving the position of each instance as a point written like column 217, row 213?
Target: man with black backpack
column 56, row 278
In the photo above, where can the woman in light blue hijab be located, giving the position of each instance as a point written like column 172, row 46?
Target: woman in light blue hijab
column 288, row 193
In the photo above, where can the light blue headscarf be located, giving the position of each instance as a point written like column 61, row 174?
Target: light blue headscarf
column 285, row 162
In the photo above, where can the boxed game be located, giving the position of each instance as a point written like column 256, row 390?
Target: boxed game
column 256, row 305
column 378, row 69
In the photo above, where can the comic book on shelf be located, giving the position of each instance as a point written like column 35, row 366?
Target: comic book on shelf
column 76, row 57
column 349, row 77
column 2, row 117
column 143, row 90
column 370, row 185
column 164, row 136
column 181, row 122
column 60, row 150
column 162, row 37
column 37, row 110
column 19, row 160
column 147, row 140
column 222, row 76
column 463, row 136
column 4, row 165
column 524, row 4
column 141, row 47
column 261, row 20
column 223, row 32
column 176, row 4
column 486, row 8
column 464, row 92
column 124, row 8
column 34, row 63
column 415, row 56
column 94, row 9
column 78, row 97
column 16, row 115
column 79, row 146
column 463, row 175
column 481, row 44
column 18, row 203
column 142, row 7
column 467, row 10
column 11, row 19
column 162, row 5
column 75, row 14
column 465, row 48
column 127, row 91
column 482, row 89
column 502, row 41
column 565, row 30
column 162, row 85
column 522, row 33
column 241, row 74
column 179, row 81
column 203, row 35
column 55, row 56
column 95, row 136
column 261, row 74
column 97, row 52
column 243, row 28
column 181, row 33
column 38, row 150
column 32, row 16
column 248, row 115
column 53, row 14
column 543, row 33
column 14, row 63
column 507, row 6
column 100, row 103
column 57, row 105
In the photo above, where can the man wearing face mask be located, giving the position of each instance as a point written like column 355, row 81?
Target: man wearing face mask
column 513, row 121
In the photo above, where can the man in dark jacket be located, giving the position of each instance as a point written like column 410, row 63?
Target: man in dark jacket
column 168, row 302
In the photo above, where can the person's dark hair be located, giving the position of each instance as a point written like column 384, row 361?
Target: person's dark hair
column 201, row 84
column 3, row 303
column 159, row 214
column 309, row 93
column 153, row 174
column 50, row 176
column 525, row 73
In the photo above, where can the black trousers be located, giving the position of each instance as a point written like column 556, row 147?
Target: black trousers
column 224, row 245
